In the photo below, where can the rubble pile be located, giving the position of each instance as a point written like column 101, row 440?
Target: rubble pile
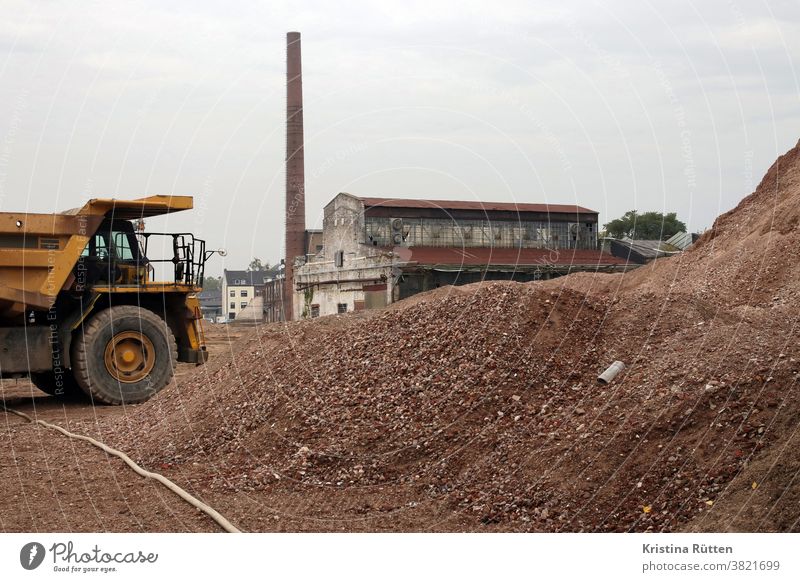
column 481, row 402
column 716, row 326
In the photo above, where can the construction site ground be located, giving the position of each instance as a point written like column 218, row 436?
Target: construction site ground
column 53, row 483
column 473, row 408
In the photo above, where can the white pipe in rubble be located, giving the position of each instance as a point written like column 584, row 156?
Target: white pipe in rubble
column 209, row 511
column 611, row 372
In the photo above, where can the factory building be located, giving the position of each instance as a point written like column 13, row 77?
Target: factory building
column 377, row 250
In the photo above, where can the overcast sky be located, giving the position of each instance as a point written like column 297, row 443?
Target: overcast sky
column 615, row 105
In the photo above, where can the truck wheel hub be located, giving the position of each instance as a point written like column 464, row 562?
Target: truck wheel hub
column 129, row 356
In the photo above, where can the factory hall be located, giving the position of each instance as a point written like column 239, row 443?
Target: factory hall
column 376, row 251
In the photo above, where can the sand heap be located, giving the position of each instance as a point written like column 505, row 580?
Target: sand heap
column 477, row 407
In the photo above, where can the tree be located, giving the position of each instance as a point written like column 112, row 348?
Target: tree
column 212, row 283
column 257, row 265
column 645, row 226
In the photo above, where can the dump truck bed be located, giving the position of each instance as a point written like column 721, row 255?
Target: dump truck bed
column 39, row 251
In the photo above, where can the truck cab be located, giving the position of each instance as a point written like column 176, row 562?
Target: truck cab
column 113, row 255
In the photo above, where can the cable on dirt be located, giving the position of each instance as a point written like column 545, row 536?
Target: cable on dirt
column 210, row 511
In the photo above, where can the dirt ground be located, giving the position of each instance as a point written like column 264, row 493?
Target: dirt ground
column 53, row 483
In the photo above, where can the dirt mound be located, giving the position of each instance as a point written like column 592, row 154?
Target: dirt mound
column 420, row 396
column 477, row 407
column 750, row 258
column 726, row 311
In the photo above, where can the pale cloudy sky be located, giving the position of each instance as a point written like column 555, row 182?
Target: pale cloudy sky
column 613, row 104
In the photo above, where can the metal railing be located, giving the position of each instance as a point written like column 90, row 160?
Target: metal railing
column 189, row 256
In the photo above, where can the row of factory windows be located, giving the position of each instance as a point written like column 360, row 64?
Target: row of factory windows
column 242, row 293
column 242, row 304
column 432, row 232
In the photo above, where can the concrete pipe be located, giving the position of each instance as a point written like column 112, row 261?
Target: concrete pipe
column 611, row 372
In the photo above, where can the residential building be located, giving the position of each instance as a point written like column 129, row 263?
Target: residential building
column 240, row 287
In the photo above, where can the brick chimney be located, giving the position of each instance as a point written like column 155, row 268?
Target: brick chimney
column 295, row 168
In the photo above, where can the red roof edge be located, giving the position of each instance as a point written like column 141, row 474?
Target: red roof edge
column 370, row 202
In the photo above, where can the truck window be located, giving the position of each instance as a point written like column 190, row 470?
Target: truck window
column 96, row 247
column 122, row 246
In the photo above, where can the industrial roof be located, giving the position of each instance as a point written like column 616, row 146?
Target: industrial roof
column 682, row 240
column 474, row 205
column 649, row 249
column 481, row 256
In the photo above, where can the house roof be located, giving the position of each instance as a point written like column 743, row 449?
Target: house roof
column 473, row 205
column 210, row 297
column 252, row 277
column 480, row 256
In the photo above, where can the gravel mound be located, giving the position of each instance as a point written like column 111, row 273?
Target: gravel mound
column 481, row 403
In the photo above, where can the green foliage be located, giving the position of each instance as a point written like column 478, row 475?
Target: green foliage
column 212, row 283
column 308, row 297
column 257, row 265
column 645, row 226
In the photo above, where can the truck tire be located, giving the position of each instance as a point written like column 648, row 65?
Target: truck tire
column 64, row 386
column 124, row 355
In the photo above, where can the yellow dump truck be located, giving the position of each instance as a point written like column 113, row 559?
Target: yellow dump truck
column 79, row 309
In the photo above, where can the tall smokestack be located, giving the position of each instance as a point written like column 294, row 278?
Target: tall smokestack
column 295, row 167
